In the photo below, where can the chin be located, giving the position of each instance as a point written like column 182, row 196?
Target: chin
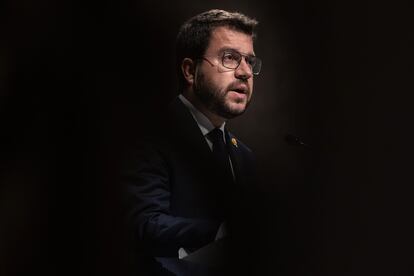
column 237, row 105
column 231, row 108
column 236, row 109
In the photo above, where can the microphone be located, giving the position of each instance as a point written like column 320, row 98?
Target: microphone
column 295, row 140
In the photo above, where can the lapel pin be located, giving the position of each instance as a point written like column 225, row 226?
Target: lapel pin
column 234, row 142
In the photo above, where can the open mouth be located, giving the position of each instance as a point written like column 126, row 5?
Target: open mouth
column 238, row 95
column 240, row 90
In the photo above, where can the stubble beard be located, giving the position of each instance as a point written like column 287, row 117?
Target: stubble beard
column 214, row 98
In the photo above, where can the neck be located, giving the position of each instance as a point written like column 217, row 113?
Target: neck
column 216, row 120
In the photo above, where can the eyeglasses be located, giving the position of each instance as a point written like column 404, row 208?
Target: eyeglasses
column 231, row 59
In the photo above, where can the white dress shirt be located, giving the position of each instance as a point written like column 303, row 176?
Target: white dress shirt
column 202, row 121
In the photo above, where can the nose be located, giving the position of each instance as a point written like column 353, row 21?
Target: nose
column 244, row 70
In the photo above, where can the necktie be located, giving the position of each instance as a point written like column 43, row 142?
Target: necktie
column 221, row 154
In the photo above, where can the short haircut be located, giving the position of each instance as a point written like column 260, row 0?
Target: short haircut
column 194, row 35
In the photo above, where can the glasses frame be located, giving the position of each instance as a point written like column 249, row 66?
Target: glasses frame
column 246, row 57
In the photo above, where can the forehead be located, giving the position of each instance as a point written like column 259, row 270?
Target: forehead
column 227, row 38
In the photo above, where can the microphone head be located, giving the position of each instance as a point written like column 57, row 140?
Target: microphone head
column 295, row 140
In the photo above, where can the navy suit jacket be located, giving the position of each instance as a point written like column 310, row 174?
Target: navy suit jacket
column 175, row 193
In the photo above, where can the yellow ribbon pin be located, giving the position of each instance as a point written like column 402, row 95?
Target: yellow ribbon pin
column 234, row 142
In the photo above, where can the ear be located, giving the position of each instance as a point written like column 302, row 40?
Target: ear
column 188, row 68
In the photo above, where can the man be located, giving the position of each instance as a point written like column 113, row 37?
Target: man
column 186, row 187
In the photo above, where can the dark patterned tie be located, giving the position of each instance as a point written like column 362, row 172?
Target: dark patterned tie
column 221, row 154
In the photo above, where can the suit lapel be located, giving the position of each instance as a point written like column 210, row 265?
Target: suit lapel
column 236, row 158
column 189, row 134
column 186, row 128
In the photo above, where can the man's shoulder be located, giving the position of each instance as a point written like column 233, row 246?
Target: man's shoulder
column 172, row 129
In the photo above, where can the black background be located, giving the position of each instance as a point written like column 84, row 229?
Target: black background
column 81, row 80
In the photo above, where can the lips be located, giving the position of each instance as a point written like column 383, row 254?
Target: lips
column 239, row 89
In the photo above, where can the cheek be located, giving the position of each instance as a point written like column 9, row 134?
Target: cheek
column 221, row 84
column 251, row 86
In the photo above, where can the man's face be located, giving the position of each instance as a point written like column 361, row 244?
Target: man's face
column 225, row 92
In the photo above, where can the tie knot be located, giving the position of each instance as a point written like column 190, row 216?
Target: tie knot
column 216, row 135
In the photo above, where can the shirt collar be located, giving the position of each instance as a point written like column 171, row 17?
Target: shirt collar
column 203, row 122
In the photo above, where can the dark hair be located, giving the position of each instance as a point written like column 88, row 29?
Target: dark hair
column 194, row 35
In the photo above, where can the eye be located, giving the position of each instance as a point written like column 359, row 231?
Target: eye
column 251, row 60
column 230, row 57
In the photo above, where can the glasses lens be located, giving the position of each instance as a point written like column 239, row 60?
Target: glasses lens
column 256, row 66
column 231, row 59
